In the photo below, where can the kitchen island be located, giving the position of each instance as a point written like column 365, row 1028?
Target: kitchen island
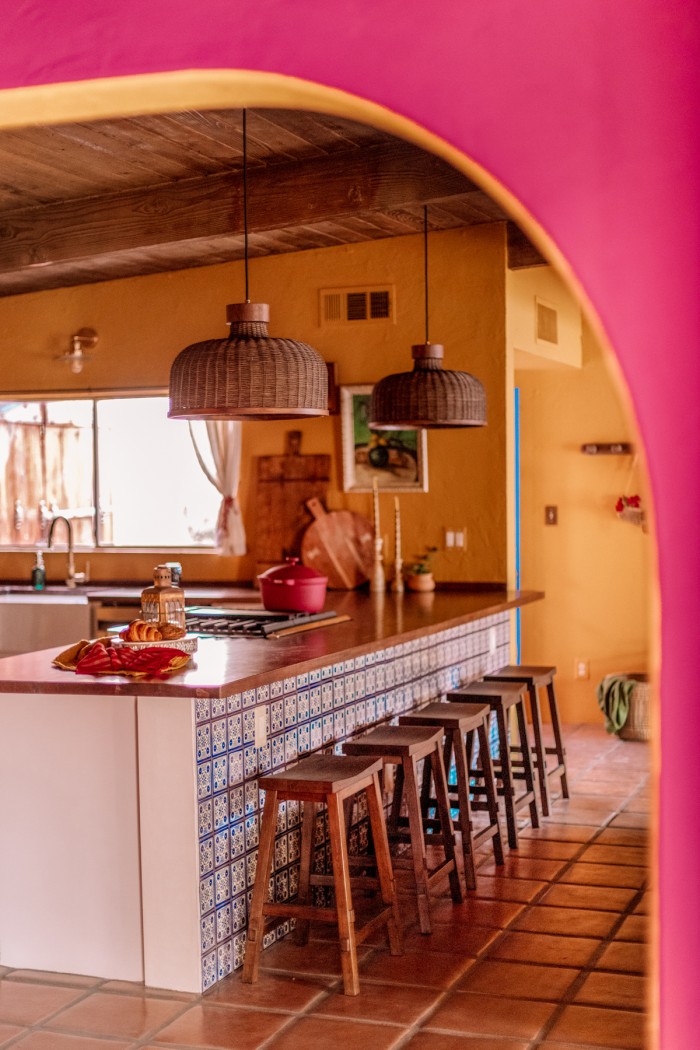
column 129, row 808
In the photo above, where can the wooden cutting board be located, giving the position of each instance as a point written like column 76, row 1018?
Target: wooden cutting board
column 283, row 486
column 340, row 545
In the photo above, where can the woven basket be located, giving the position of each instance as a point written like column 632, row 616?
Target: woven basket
column 638, row 724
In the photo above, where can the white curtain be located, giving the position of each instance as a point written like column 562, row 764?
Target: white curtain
column 224, row 438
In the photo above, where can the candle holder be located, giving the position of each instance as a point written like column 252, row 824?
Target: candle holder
column 378, row 581
column 397, row 584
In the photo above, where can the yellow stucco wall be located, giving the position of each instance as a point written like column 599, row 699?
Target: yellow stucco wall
column 144, row 322
column 594, row 568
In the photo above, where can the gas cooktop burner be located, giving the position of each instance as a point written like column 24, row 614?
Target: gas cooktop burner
column 256, row 623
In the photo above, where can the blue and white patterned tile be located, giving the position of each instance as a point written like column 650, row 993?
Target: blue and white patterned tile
column 219, row 772
column 304, row 738
column 219, row 737
column 290, row 685
column 239, row 943
column 360, row 661
column 249, row 726
column 234, row 730
column 327, row 728
column 277, row 743
column 291, row 746
column 239, row 913
column 360, row 685
column 202, row 709
column 209, row 970
column 224, row 927
column 371, row 710
column 276, row 689
column 237, row 839
column 262, row 694
column 250, row 761
column 221, row 811
column 315, row 701
column 282, row 886
column 206, row 894
column 360, row 713
column 218, row 707
column 293, row 845
column 224, row 957
column 338, row 691
column 303, row 706
column 293, row 813
column 370, row 659
column 381, row 710
column 350, row 720
column 265, row 758
column 380, row 677
column 207, row 929
column 370, row 680
column 235, row 766
column 348, row 666
column 281, row 824
column 203, row 741
column 326, row 672
column 252, row 797
column 204, row 783
column 236, row 803
column 302, row 680
column 249, row 698
column 205, row 818
column 315, row 676
column 290, row 710
column 206, row 856
column 222, row 885
column 293, row 881
column 251, row 866
column 280, row 851
column 238, row 876
column 234, row 703
column 316, row 734
column 222, row 848
column 276, row 716
column 252, row 832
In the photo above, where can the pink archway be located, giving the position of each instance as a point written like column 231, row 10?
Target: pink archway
column 587, row 112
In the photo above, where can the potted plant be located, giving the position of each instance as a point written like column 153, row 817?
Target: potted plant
column 419, row 576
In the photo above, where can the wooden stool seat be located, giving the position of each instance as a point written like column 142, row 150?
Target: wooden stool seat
column 460, row 723
column 404, row 747
column 537, row 678
column 501, row 697
column 329, row 780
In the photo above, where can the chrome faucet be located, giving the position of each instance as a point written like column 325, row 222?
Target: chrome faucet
column 70, row 578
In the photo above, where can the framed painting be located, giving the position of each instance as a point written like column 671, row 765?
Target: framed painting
column 398, row 459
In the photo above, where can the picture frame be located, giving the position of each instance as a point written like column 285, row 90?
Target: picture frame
column 398, row 459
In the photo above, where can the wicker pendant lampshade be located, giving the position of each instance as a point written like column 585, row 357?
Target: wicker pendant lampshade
column 429, row 397
column 250, row 375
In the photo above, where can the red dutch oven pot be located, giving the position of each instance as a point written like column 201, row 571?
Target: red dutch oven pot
column 293, row 588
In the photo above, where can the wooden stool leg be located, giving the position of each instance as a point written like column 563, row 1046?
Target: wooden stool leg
column 540, row 754
column 558, row 741
column 465, row 814
column 343, row 897
column 490, row 789
column 506, row 777
column 418, row 854
column 256, row 922
column 448, row 831
column 385, row 872
column 527, row 762
column 395, row 808
column 301, row 932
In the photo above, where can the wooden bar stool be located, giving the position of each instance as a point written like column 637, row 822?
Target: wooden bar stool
column 460, row 723
column 537, row 678
column 404, row 747
column 329, row 779
column 501, row 697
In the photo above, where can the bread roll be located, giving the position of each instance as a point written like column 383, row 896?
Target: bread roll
column 171, row 631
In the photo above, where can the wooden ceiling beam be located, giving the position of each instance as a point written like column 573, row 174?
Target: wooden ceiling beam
column 36, row 244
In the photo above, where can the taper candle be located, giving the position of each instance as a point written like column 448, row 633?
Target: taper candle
column 375, row 492
column 397, row 523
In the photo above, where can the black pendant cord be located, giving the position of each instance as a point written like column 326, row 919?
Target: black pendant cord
column 425, row 267
column 245, row 204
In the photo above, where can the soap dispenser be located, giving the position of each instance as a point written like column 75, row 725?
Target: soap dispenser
column 39, row 573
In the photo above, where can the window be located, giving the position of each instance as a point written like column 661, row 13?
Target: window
column 122, row 456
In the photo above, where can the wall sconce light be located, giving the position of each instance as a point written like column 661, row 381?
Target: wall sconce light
column 84, row 339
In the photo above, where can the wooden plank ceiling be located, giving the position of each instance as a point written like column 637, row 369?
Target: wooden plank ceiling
column 95, row 201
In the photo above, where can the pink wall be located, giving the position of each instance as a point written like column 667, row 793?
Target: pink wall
column 587, row 111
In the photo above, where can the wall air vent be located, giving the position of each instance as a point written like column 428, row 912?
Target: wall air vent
column 352, row 305
column 546, row 327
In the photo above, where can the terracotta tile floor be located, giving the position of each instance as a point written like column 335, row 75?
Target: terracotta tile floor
column 549, row 953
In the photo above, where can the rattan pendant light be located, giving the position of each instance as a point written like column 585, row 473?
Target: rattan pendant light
column 249, row 375
column 429, row 397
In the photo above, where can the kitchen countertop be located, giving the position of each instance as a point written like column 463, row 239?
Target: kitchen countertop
column 223, row 666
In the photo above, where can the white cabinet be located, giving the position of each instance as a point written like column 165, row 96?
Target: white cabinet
column 30, row 622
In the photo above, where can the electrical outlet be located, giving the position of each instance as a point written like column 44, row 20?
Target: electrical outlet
column 460, row 538
column 493, row 641
column 449, row 539
column 260, row 727
column 582, row 669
